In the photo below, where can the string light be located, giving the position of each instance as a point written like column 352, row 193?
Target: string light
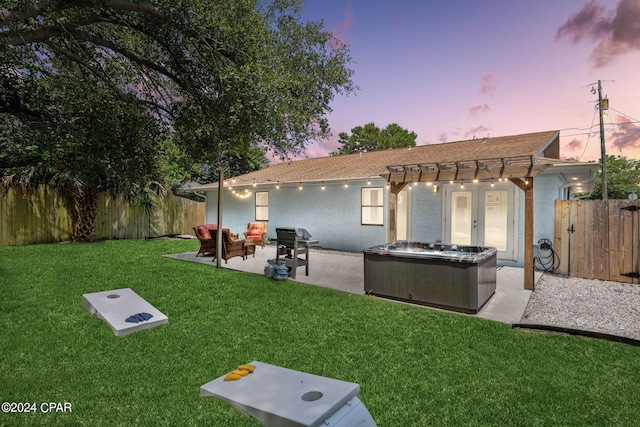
column 244, row 195
column 322, row 186
column 300, row 186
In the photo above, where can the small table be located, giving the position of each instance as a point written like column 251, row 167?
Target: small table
column 249, row 248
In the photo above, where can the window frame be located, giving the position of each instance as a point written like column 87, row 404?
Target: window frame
column 371, row 207
column 261, row 206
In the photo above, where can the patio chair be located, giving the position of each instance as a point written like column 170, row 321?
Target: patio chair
column 207, row 243
column 256, row 232
column 230, row 247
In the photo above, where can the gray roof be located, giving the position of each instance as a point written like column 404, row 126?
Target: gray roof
column 487, row 158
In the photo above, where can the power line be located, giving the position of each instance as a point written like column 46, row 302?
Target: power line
column 620, row 112
column 593, row 119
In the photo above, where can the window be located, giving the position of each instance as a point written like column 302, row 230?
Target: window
column 372, row 206
column 262, row 206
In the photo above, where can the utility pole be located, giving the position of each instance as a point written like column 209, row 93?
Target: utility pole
column 603, row 154
column 603, row 263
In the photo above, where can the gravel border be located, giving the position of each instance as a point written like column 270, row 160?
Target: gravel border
column 588, row 305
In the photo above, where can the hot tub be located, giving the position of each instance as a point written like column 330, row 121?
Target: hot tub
column 456, row 277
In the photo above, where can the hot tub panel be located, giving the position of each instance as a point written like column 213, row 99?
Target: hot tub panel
column 447, row 276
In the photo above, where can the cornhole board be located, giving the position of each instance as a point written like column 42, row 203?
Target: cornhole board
column 282, row 397
column 115, row 306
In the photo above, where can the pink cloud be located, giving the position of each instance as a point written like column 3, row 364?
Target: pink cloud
column 574, row 145
column 479, row 109
column 616, row 32
column 421, row 55
column 589, row 22
column 487, row 86
column 477, row 132
column 340, row 31
column 627, row 136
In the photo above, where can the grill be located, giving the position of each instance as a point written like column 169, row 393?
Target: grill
column 292, row 243
column 456, row 277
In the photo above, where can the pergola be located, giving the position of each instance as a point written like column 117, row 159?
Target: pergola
column 520, row 170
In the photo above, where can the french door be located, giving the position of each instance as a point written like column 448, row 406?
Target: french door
column 403, row 211
column 482, row 215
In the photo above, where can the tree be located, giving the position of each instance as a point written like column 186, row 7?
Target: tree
column 371, row 138
column 623, row 175
column 242, row 68
column 221, row 81
column 78, row 139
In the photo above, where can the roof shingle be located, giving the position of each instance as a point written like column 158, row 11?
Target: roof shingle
column 372, row 164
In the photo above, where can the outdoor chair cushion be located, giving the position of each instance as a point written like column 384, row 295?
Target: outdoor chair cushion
column 207, row 244
column 203, row 230
column 257, row 232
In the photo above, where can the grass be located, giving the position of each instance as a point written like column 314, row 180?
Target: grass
column 415, row 366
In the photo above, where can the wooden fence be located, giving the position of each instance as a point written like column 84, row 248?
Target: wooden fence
column 42, row 217
column 598, row 240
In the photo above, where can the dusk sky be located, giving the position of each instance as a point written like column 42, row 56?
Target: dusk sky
column 457, row 69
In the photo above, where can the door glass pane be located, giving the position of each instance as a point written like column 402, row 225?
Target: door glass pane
column 495, row 219
column 401, row 215
column 461, row 217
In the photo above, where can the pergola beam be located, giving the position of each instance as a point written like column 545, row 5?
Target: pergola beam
column 527, row 187
column 520, row 170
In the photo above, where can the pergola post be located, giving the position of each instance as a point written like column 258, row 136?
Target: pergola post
column 527, row 187
column 219, row 225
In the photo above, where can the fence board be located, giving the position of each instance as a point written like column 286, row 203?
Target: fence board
column 580, row 259
column 561, row 237
column 599, row 266
column 606, row 241
column 636, row 243
column 42, row 217
column 627, row 235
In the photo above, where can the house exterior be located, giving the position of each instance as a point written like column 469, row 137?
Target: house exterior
column 469, row 192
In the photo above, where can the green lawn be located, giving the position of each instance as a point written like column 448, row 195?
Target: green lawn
column 415, row 366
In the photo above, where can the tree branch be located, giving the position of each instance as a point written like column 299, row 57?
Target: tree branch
column 78, row 35
column 11, row 16
column 96, row 72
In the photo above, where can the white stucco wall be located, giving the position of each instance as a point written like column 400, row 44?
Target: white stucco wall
column 332, row 215
column 545, row 194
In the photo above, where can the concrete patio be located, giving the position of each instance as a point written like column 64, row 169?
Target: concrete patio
column 344, row 271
